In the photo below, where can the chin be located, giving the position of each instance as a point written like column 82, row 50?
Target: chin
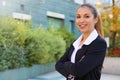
column 83, row 31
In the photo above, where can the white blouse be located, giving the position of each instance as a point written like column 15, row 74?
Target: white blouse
column 77, row 46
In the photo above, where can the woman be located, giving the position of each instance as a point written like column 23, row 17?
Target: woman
column 84, row 58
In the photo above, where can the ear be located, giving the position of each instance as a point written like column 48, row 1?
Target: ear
column 96, row 20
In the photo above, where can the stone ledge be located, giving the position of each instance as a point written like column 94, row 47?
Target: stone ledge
column 111, row 65
column 26, row 72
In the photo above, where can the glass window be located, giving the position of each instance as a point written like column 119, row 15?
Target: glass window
column 72, row 26
column 22, row 7
column 55, row 22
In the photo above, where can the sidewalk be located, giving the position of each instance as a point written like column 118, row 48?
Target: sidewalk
column 111, row 71
column 56, row 76
column 110, row 77
column 49, row 76
column 111, row 65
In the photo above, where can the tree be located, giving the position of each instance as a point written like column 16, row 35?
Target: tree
column 111, row 23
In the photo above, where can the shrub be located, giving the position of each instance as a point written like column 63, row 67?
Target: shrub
column 43, row 46
column 21, row 45
column 64, row 33
column 12, row 54
column 11, row 57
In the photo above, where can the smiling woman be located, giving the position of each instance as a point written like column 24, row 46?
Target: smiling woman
column 85, row 20
column 84, row 58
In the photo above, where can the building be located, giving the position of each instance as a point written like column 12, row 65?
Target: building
column 57, row 13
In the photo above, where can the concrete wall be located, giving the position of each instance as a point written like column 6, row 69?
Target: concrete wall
column 26, row 73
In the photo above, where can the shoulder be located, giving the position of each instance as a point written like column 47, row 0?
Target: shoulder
column 99, row 42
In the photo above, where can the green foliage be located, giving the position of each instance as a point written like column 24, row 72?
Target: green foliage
column 43, row 46
column 11, row 57
column 11, row 40
column 11, row 29
column 21, row 45
column 63, row 32
column 68, row 37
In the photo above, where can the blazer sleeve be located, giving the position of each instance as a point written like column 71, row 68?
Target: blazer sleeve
column 93, row 58
column 59, row 66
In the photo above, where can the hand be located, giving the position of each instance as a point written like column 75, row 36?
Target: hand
column 70, row 76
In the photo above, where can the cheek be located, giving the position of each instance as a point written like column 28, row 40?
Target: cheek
column 90, row 25
column 91, row 22
column 77, row 21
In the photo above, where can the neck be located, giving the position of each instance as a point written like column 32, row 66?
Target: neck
column 85, row 35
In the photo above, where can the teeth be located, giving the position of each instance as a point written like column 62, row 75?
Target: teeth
column 83, row 25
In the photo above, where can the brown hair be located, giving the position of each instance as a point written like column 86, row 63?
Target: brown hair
column 98, row 25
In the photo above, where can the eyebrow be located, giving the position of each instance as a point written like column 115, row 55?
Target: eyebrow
column 83, row 14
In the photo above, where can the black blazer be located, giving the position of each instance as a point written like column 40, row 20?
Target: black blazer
column 89, row 68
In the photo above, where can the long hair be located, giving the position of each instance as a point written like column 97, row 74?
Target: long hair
column 98, row 25
column 99, row 28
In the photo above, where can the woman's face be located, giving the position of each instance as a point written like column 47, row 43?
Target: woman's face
column 85, row 20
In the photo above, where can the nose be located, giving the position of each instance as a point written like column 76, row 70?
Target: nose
column 81, row 20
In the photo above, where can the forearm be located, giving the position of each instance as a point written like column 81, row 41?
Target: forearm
column 60, row 68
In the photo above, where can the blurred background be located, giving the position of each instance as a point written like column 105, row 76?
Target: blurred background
column 34, row 34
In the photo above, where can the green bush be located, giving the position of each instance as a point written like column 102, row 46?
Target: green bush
column 12, row 57
column 21, row 45
column 68, row 37
column 12, row 54
column 64, row 33
column 12, row 29
column 43, row 46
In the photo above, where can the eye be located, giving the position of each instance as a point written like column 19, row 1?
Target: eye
column 78, row 16
column 87, row 16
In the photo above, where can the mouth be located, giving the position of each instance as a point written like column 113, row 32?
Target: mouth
column 82, row 26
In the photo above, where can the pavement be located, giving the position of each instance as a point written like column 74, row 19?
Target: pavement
column 110, row 77
column 111, row 71
column 56, row 76
column 111, row 65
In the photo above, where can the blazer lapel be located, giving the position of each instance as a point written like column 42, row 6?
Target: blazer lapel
column 71, row 49
column 80, row 53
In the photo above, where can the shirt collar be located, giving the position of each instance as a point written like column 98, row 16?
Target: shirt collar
column 90, row 38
